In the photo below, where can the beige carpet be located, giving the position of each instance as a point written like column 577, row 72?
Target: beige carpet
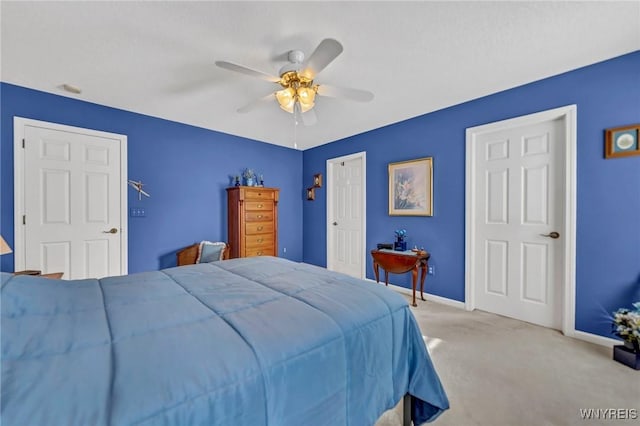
column 499, row 371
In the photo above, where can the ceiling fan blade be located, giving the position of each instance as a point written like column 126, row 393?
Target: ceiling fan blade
column 297, row 113
column 309, row 118
column 257, row 103
column 327, row 51
column 247, row 71
column 345, row 92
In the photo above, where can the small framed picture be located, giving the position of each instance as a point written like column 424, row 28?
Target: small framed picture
column 411, row 188
column 622, row 141
column 317, row 180
column 311, row 194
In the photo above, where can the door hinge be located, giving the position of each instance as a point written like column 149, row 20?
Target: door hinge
column 24, row 219
column 342, row 164
column 22, row 142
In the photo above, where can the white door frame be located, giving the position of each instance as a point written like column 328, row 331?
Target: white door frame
column 331, row 163
column 19, row 124
column 569, row 115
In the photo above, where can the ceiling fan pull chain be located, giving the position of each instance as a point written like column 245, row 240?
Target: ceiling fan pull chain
column 295, row 131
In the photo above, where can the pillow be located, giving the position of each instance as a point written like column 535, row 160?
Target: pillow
column 210, row 252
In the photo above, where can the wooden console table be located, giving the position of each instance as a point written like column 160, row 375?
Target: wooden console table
column 53, row 275
column 399, row 262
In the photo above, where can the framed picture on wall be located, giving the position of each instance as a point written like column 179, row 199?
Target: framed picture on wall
column 411, row 187
column 311, row 193
column 622, row 141
column 317, row 180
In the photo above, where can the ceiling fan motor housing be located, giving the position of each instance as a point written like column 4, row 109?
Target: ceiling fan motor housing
column 295, row 62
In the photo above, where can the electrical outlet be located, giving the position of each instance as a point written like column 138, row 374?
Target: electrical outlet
column 284, row 250
column 431, row 270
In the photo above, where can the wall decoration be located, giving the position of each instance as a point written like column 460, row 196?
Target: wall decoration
column 411, row 188
column 622, row 141
column 137, row 185
column 311, row 194
column 317, row 180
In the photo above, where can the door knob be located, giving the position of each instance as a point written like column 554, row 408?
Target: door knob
column 111, row 231
column 335, row 223
column 553, row 235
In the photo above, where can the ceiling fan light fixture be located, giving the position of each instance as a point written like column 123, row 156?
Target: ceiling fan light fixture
column 305, row 107
column 286, row 98
column 296, row 89
column 307, row 95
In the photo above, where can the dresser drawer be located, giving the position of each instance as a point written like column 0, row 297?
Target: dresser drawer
column 252, row 228
column 260, row 252
column 258, row 216
column 258, row 194
column 258, row 241
column 258, row 205
column 252, row 215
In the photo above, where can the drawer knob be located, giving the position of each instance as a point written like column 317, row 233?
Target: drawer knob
column 259, row 240
column 259, row 253
column 259, row 216
column 259, row 228
column 259, row 206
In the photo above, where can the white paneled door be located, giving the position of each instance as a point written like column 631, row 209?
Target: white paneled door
column 72, row 194
column 518, row 251
column 346, row 215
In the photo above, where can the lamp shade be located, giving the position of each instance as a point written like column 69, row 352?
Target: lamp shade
column 286, row 98
column 4, row 247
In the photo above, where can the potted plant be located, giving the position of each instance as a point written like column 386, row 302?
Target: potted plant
column 249, row 176
column 626, row 325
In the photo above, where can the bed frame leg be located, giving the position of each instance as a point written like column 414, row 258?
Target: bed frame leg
column 406, row 410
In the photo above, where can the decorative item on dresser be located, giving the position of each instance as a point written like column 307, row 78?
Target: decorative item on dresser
column 252, row 221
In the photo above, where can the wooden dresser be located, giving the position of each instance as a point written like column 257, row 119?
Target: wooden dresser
column 252, row 221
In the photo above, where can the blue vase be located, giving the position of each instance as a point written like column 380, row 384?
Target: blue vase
column 249, row 181
column 400, row 245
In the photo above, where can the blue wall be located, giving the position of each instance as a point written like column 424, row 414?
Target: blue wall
column 184, row 168
column 608, row 200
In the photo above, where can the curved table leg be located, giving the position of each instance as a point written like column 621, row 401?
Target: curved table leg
column 414, row 279
column 423, row 274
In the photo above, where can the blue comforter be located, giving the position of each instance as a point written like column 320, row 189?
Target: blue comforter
column 257, row 341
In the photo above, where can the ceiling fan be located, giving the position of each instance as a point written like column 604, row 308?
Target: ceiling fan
column 298, row 90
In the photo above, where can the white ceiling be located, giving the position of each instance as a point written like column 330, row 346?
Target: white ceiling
column 157, row 58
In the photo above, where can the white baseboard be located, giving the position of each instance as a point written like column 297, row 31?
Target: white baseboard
column 594, row 338
column 428, row 296
column 576, row 334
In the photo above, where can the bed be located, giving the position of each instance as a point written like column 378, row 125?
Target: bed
column 253, row 341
